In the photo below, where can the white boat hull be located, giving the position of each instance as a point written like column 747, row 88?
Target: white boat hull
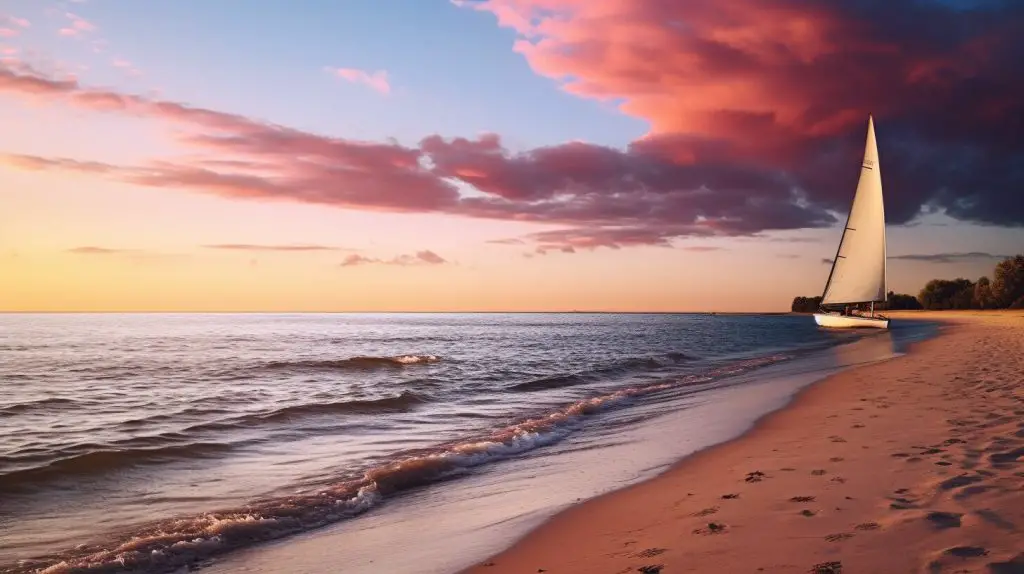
column 838, row 321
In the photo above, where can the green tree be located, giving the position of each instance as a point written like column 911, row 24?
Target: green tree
column 983, row 295
column 897, row 301
column 805, row 304
column 944, row 294
column 1008, row 283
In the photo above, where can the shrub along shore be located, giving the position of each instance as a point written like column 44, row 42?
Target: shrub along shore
column 1004, row 291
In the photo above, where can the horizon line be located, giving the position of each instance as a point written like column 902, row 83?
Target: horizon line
column 465, row 312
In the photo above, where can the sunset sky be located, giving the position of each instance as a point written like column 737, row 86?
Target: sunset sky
column 436, row 155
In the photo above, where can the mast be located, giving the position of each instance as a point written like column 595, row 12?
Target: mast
column 836, row 258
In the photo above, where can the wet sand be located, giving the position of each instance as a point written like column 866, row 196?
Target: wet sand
column 911, row 465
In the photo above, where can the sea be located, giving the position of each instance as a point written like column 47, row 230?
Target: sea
column 360, row 443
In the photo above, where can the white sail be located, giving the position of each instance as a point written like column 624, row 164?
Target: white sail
column 858, row 272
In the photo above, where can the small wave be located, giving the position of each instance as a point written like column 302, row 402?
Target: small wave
column 39, row 404
column 545, row 383
column 400, row 403
column 32, row 468
column 625, row 366
column 354, row 362
column 88, row 460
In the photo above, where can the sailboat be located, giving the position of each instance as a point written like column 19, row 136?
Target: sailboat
column 858, row 270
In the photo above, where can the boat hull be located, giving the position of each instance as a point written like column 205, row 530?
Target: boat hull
column 837, row 321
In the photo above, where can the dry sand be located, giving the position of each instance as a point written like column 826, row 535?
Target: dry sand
column 910, row 465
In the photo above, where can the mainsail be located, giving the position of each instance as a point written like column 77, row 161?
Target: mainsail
column 858, row 271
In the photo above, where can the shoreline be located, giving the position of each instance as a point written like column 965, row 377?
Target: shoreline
column 677, row 522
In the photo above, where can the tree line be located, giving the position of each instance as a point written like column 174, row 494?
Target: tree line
column 1004, row 291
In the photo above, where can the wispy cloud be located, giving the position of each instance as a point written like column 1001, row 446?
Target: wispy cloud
column 950, row 257
column 140, row 256
column 11, row 26
column 425, row 257
column 702, row 248
column 15, row 21
column 284, row 248
column 789, row 256
column 377, row 80
column 509, row 241
column 77, row 26
column 93, row 250
column 126, row 66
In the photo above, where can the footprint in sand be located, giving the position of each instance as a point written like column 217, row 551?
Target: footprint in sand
column 706, row 511
column 959, row 481
column 966, row 551
column 807, row 513
column 868, row 526
column 838, row 537
column 1014, row 565
column 802, row 499
column 835, row 567
column 818, row 472
column 650, row 569
column 649, row 553
column 1002, row 458
column 970, row 491
column 899, row 503
column 954, row 558
column 836, row 459
column 713, row 528
column 730, row 496
column 995, row 519
column 943, row 520
column 756, row 476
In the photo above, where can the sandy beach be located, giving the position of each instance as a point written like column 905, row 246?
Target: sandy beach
column 909, row 465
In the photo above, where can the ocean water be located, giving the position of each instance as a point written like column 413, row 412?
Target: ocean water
column 234, row 442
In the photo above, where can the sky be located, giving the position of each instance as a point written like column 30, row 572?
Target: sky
column 499, row 155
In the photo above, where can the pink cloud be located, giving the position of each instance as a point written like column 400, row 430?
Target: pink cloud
column 77, row 26
column 126, row 66
column 11, row 23
column 752, row 124
column 8, row 32
column 79, row 23
column 377, row 80
column 425, row 257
